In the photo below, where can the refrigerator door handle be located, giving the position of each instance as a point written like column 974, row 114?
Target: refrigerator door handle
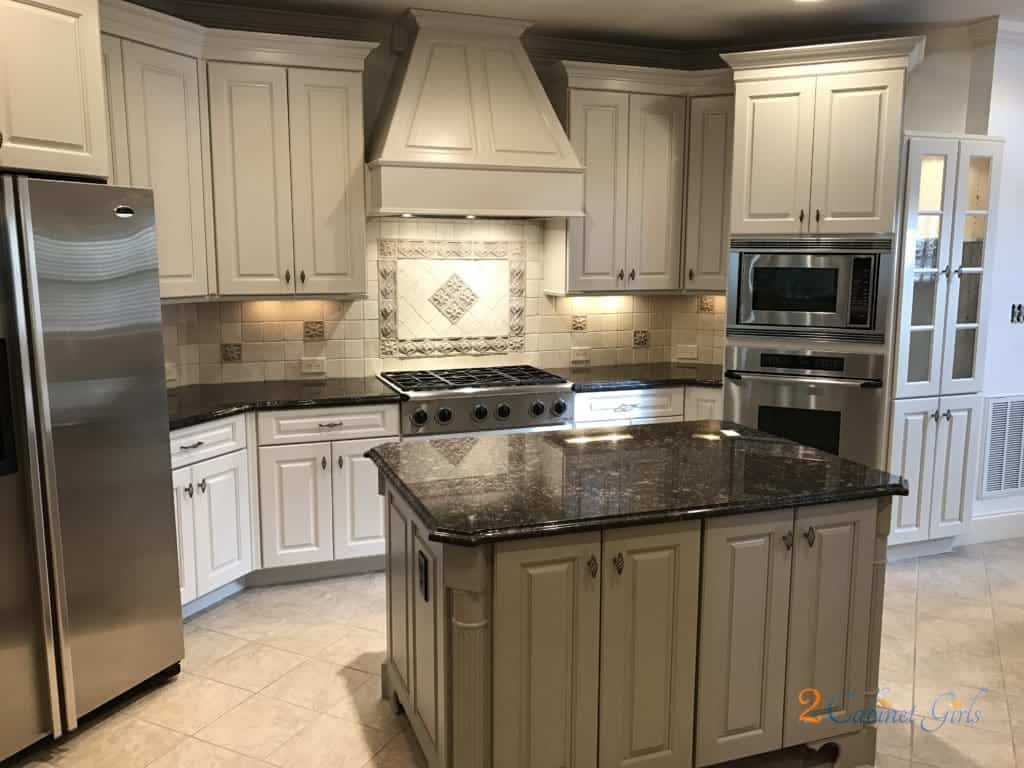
column 42, row 400
column 8, row 230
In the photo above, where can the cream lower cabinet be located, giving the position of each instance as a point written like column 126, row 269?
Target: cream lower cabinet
column 185, row 528
column 785, row 604
column 223, row 530
column 703, row 403
column 52, row 111
column 296, row 518
column 579, row 614
column 358, row 507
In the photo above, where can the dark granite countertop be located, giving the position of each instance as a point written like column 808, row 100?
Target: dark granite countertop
column 609, row 378
column 486, row 488
column 205, row 402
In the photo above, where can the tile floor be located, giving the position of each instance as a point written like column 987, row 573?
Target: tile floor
column 289, row 676
column 283, row 676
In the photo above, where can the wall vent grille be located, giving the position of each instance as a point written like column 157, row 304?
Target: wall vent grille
column 1004, row 447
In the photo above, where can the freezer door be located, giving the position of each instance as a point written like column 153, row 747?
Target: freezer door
column 94, row 308
column 29, row 708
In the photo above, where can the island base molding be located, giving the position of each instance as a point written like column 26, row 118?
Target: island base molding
column 495, row 651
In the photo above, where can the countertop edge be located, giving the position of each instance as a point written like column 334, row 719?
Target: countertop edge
column 233, row 409
column 628, row 384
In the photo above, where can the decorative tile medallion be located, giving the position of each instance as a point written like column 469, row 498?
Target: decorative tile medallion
column 313, row 329
column 641, row 338
column 707, row 304
column 231, row 353
column 579, row 322
column 441, row 297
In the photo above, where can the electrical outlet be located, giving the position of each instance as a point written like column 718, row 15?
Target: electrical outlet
column 313, row 365
column 682, row 353
column 170, row 372
column 579, row 356
column 1017, row 313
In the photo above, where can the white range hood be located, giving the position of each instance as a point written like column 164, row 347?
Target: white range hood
column 470, row 130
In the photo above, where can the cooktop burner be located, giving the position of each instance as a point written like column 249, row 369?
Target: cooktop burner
column 478, row 378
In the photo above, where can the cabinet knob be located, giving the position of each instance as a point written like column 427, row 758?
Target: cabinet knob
column 948, row 415
column 1, row 138
column 190, row 490
column 936, row 417
column 622, row 274
column 801, row 215
column 287, row 275
column 959, row 271
column 632, row 274
column 593, row 565
column 323, row 462
column 787, row 539
column 817, row 215
column 810, row 535
column 302, row 276
column 691, row 274
column 202, row 485
column 619, row 562
column 341, row 462
column 947, row 271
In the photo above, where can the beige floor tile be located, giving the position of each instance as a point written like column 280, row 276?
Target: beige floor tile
column 901, row 574
column 330, row 743
column 954, row 607
column 117, row 741
column 306, row 638
column 1013, row 674
column 1015, row 705
column 985, row 710
column 203, row 647
column 945, row 670
column 258, row 726
column 943, row 636
column 253, row 667
column 359, row 648
column 365, row 705
column 962, row 746
column 189, row 703
column 192, row 753
column 887, row 761
column 401, row 752
column 899, row 621
column 893, row 729
column 317, row 684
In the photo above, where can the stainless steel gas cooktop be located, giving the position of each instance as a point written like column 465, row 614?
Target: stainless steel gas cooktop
column 454, row 400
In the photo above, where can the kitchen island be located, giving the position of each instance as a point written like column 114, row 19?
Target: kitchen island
column 550, row 594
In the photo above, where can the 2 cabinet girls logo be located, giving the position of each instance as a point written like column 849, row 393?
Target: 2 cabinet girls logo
column 946, row 708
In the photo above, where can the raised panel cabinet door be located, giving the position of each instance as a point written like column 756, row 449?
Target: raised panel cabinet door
column 830, row 599
column 703, row 403
column 398, row 575
column 427, row 613
column 928, row 227
column 974, row 229
column 599, row 131
column 358, row 507
column 547, row 626
column 329, row 208
column 162, row 100
column 654, row 208
column 741, row 677
column 650, row 581
column 223, row 524
column 252, row 198
column 772, row 147
column 857, row 123
column 52, row 106
column 957, row 449
column 708, row 178
column 296, row 516
column 912, row 456
column 117, row 115
column 185, row 527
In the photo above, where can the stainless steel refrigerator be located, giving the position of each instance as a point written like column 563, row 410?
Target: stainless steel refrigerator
column 89, row 600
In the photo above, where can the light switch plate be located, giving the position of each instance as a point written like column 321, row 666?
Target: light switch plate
column 684, row 352
column 314, row 365
column 579, row 356
column 170, row 372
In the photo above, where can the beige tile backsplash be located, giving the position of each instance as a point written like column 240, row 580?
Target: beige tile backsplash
column 271, row 334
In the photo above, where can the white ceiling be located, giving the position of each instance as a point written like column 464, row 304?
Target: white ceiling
column 720, row 22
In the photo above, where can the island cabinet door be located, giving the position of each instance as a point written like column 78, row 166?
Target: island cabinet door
column 547, row 595
column 744, row 619
column 828, row 620
column 649, row 594
column 398, row 527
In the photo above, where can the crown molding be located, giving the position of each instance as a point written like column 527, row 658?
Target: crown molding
column 635, row 79
column 143, row 25
column 909, row 49
column 469, row 23
column 546, row 49
column 983, row 33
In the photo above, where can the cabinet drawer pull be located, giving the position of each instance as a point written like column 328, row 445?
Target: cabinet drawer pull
column 624, row 407
column 331, row 425
column 190, row 490
column 810, row 535
column 619, row 562
column 202, row 485
column 191, row 446
column 787, row 539
column 593, row 565
column 323, row 462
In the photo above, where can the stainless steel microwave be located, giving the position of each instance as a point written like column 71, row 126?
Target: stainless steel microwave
column 831, row 288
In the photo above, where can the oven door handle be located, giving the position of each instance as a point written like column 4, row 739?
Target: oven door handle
column 861, row 383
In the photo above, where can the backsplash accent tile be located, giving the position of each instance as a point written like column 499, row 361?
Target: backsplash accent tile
column 313, row 329
column 231, row 353
column 641, row 338
column 707, row 304
column 579, row 322
column 454, row 298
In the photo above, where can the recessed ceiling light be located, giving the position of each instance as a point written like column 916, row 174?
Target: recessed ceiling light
column 406, row 215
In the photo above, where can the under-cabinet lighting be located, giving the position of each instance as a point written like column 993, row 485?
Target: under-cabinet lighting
column 584, row 439
column 406, row 215
column 712, row 438
column 730, row 433
column 470, row 215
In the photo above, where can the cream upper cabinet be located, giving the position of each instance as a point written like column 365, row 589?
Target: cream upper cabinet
column 599, row 131
column 251, row 178
column 857, row 124
column 708, row 179
column 117, row 115
column 326, row 140
column 826, row 673
column 744, row 621
column 649, row 595
column 164, row 140
column 52, row 105
column 296, row 517
column 657, row 153
column 773, row 143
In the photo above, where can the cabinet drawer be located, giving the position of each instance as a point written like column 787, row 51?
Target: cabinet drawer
column 629, row 404
column 207, row 441
column 315, row 424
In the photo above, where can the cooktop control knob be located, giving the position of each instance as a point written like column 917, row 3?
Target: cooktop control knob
column 444, row 415
column 479, row 412
column 504, row 410
column 420, row 416
column 537, row 409
column 560, row 407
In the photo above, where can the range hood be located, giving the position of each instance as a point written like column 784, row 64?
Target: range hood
column 470, row 130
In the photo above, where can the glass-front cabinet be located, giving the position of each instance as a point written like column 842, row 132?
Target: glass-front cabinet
column 950, row 205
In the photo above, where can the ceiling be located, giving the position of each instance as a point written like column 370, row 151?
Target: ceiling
column 738, row 23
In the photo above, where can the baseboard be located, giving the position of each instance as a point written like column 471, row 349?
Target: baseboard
column 899, row 552
column 1007, row 525
column 211, row 599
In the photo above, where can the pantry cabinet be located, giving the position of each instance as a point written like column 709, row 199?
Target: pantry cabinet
column 52, row 110
column 816, row 145
column 912, row 444
column 295, row 504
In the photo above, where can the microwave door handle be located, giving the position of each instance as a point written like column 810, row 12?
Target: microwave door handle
column 861, row 383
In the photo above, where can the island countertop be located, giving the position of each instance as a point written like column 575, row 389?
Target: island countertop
column 486, row 488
